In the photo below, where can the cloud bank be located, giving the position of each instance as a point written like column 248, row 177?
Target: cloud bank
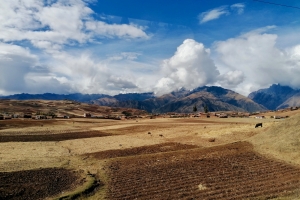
column 255, row 57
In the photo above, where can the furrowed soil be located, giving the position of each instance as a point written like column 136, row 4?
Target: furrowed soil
column 233, row 171
column 162, row 158
column 36, row 184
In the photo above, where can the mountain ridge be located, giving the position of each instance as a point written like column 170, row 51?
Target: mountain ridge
column 182, row 101
column 276, row 97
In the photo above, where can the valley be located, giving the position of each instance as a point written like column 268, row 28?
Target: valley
column 161, row 158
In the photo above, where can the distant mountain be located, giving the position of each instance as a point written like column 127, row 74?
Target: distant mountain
column 276, row 97
column 86, row 98
column 182, row 100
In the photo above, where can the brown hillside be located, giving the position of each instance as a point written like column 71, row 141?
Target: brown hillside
column 60, row 107
column 291, row 102
column 282, row 140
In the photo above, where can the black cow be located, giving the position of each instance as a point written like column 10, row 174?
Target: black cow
column 258, row 125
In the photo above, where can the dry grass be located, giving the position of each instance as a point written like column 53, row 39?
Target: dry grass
column 281, row 140
column 278, row 139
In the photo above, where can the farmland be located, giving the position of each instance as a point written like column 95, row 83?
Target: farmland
column 162, row 158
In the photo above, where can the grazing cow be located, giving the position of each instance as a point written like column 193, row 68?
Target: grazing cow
column 258, row 125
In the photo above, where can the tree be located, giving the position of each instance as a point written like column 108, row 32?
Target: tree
column 205, row 108
column 195, row 108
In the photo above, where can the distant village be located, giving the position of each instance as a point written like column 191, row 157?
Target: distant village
column 125, row 115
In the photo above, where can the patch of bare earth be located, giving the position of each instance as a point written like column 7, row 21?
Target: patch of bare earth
column 36, row 184
column 232, row 171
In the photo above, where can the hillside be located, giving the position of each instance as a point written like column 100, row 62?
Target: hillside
column 281, row 140
column 293, row 101
column 60, row 108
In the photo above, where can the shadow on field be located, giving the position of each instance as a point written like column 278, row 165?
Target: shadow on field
column 52, row 137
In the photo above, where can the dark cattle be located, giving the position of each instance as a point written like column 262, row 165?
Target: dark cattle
column 258, row 125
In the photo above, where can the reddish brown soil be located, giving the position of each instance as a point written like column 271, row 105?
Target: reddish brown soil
column 232, row 171
column 36, row 184
column 158, row 148
column 51, row 137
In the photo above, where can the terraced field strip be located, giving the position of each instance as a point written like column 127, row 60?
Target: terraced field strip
column 165, row 147
column 232, row 171
column 52, row 137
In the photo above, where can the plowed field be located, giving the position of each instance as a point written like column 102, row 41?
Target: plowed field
column 36, row 184
column 165, row 147
column 232, row 171
column 20, row 137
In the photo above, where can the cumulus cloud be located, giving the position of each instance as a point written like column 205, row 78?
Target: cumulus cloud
column 262, row 63
column 231, row 79
column 50, row 23
column 53, row 28
column 212, row 14
column 190, row 67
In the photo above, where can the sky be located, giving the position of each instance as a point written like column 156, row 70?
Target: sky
column 128, row 46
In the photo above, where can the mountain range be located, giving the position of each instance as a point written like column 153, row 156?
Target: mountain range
column 181, row 101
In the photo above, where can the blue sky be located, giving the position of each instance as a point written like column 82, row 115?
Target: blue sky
column 119, row 46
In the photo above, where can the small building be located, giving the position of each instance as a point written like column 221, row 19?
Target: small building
column 87, row 115
column 260, row 117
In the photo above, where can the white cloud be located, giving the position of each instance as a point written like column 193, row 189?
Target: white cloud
column 15, row 63
column 58, row 23
column 124, row 56
column 231, row 79
column 212, row 14
column 239, row 7
column 256, row 55
column 190, row 67
column 54, row 27
column 117, row 83
column 218, row 12
column 115, row 30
